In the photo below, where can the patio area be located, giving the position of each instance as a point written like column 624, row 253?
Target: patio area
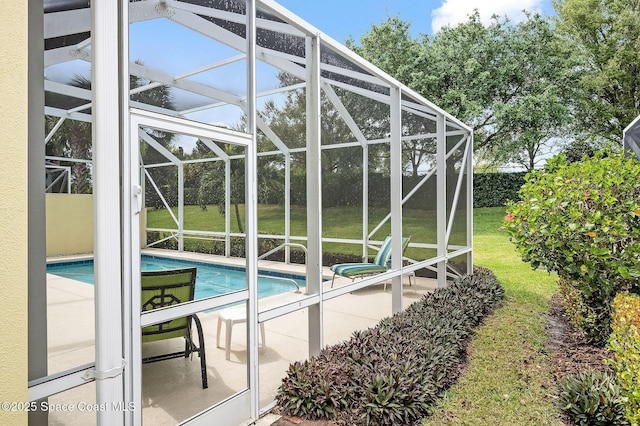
column 172, row 389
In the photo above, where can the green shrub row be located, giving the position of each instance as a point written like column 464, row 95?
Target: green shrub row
column 393, row 373
column 496, row 189
column 489, row 190
column 592, row 398
column 582, row 220
column 625, row 344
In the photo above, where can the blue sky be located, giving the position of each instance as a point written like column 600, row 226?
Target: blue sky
column 343, row 18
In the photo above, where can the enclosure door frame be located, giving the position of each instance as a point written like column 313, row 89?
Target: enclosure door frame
column 241, row 406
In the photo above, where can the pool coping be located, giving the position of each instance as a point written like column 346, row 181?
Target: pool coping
column 284, row 270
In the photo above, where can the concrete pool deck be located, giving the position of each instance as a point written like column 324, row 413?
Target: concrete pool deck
column 71, row 343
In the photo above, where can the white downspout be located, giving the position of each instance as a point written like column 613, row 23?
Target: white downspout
column 107, row 125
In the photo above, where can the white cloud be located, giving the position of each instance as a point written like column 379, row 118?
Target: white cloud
column 453, row 12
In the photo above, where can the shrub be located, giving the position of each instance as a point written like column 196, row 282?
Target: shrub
column 582, row 220
column 496, row 189
column 395, row 372
column 592, row 398
column 625, row 344
column 590, row 319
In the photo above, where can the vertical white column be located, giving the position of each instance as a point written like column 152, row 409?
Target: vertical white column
column 180, row 206
column 106, row 92
column 314, row 193
column 251, row 207
column 133, row 176
column 396, row 195
column 365, row 201
column 227, row 207
column 441, row 198
column 470, row 205
column 133, row 202
column 287, row 205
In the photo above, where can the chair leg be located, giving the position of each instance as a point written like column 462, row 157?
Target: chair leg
column 201, row 352
column 333, row 278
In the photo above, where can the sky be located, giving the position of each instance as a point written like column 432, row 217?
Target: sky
column 343, row 18
column 340, row 19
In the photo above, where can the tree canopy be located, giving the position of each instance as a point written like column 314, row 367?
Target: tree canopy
column 605, row 37
column 511, row 82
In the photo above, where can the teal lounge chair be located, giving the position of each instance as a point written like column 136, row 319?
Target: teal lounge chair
column 167, row 288
column 381, row 263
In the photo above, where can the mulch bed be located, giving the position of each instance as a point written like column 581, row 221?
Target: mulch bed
column 569, row 353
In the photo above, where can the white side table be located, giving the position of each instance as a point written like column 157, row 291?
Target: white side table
column 231, row 317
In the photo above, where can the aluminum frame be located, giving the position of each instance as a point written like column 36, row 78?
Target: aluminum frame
column 110, row 105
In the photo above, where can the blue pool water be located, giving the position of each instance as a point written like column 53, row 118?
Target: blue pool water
column 211, row 280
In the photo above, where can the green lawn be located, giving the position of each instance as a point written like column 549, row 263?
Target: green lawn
column 343, row 222
column 508, row 373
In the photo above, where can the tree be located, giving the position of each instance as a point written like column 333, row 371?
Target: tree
column 72, row 140
column 605, row 36
column 511, row 82
column 212, row 184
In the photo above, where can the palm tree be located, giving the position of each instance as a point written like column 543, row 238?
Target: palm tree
column 74, row 140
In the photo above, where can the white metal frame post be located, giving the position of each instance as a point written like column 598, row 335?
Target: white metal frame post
column 441, row 198
column 107, row 125
column 251, row 203
column 287, row 206
column 470, row 205
column 227, row 207
column 180, row 206
column 365, row 202
column 314, row 194
column 396, row 195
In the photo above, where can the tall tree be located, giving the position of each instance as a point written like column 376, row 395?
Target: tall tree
column 73, row 140
column 605, row 35
column 212, row 182
column 288, row 121
column 511, row 82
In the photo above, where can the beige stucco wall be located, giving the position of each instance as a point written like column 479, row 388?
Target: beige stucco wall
column 13, row 209
column 69, row 224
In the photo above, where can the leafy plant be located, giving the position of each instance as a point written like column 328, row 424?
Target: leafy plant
column 591, row 319
column 592, row 398
column 582, row 220
column 625, row 343
column 496, row 189
column 393, row 373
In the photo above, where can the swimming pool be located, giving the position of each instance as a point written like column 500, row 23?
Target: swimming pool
column 211, row 279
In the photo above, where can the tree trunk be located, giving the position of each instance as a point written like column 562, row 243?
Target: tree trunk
column 238, row 218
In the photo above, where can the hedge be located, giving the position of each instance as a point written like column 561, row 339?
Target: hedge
column 496, row 189
column 345, row 189
column 625, row 344
column 394, row 373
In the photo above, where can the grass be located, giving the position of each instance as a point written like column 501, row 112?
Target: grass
column 343, row 222
column 508, row 373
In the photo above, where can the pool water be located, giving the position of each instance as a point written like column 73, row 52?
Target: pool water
column 211, row 279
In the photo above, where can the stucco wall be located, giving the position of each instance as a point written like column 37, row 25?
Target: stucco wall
column 13, row 209
column 69, row 224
